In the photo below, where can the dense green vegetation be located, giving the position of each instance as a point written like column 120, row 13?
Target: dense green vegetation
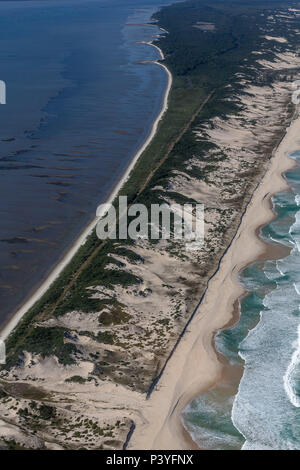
column 191, row 51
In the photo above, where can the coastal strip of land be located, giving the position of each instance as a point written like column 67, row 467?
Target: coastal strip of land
column 195, row 367
column 61, row 265
column 123, row 338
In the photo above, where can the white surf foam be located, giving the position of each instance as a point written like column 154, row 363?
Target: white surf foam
column 288, row 379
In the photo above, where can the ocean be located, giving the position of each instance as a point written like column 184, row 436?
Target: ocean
column 263, row 410
column 82, row 95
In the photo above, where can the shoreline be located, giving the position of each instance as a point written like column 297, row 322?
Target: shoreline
column 196, row 352
column 38, row 292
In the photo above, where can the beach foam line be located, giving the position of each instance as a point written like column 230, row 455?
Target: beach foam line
column 42, row 289
column 240, row 406
column 288, row 377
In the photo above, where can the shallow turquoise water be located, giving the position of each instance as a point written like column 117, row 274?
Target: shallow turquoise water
column 265, row 411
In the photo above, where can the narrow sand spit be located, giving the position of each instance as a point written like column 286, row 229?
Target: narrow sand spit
column 42, row 289
column 194, row 366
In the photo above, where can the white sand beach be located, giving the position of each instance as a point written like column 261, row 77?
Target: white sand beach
column 194, row 366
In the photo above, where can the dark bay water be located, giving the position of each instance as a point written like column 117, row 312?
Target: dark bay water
column 79, row 105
